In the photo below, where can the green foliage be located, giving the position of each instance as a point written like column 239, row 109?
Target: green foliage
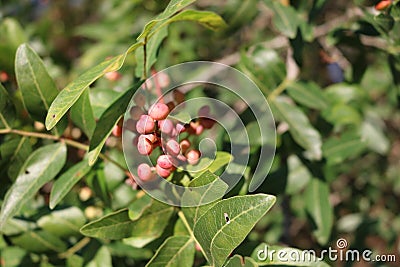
column 329, row 71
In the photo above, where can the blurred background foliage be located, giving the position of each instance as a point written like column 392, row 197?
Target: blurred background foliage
column 335, row 64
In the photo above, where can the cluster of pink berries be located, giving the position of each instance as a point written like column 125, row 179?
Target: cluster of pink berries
column 155, row 130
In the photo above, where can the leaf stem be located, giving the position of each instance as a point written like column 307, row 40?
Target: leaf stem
column 78, row 246
column 185, row 222
column 61, row 139
column 278, row 90
column 4, row 121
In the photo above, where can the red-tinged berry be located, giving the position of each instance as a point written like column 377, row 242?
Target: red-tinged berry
column 181, row 158
column 170, row 105
column 166, row 126
column 144, row 146
column 144, row 172
column 152, row 137
column 207, row 123
column 180, row 128
column 382, row 5
column 117, row 131
column 113, row 76
column 178, row 96
column 173, row 147
column 185, row 145
column 136, row 112
column 199, row 129
column 204, row 111
column 166, row 161
column 139, row 99
column 164, row 173
column 3, row 76
column 163, row 79
column 148, row 85
column 130, row 125
column 145, row 125
column 193, row 156
column 159, row 111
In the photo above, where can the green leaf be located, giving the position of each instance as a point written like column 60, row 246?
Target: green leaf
column 225, row 225
column 199, row 200
column 42, row 166
column 39, row 241
column 338, row 149
column 342, row 114
column 37, row 87
column 375, row 138
column 117, row 225
column 265, row 67
column 265, row 255
column 63, row 223
column 66, row 181
column 173, row 7
column 102, row 258
column 152, row 47
column 319, row 208
column 11, row 36
column 207, row 19
column 13, row 256
column 17, row 226
column 299, row 126
column 384, row 21
column 285, row 18
column 17, row 150
column 74, row 261
column 70, row 94
column 176, row 251
column 6, row 108
column 299, row 176
column 82, row 114
column 137, row 207
column 239, row 261
column 107, row 122
column 101, row 99
column 308, row 94
column 212, row 165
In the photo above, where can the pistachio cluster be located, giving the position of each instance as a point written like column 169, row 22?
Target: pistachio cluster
column 154, row 129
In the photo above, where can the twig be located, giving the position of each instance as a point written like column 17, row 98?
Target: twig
column 61, row 139
column 78, row 246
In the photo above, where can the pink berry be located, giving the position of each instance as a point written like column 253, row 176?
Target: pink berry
column 165, row 161
column 163, row 79
column 204, row 111
column 185, row 144
column 162, row 172
column 113, row 76
column 173, row 147
column 199, row 129
column 136, row 112
column 178, row 96
column 193, row 156
column 166, row 126
column 159, row 111
column 145, row 125
column 180, row 128
column 152, row 137
column 117, row 131
column 181, row 158
column 144, row 172
column 144, row 146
